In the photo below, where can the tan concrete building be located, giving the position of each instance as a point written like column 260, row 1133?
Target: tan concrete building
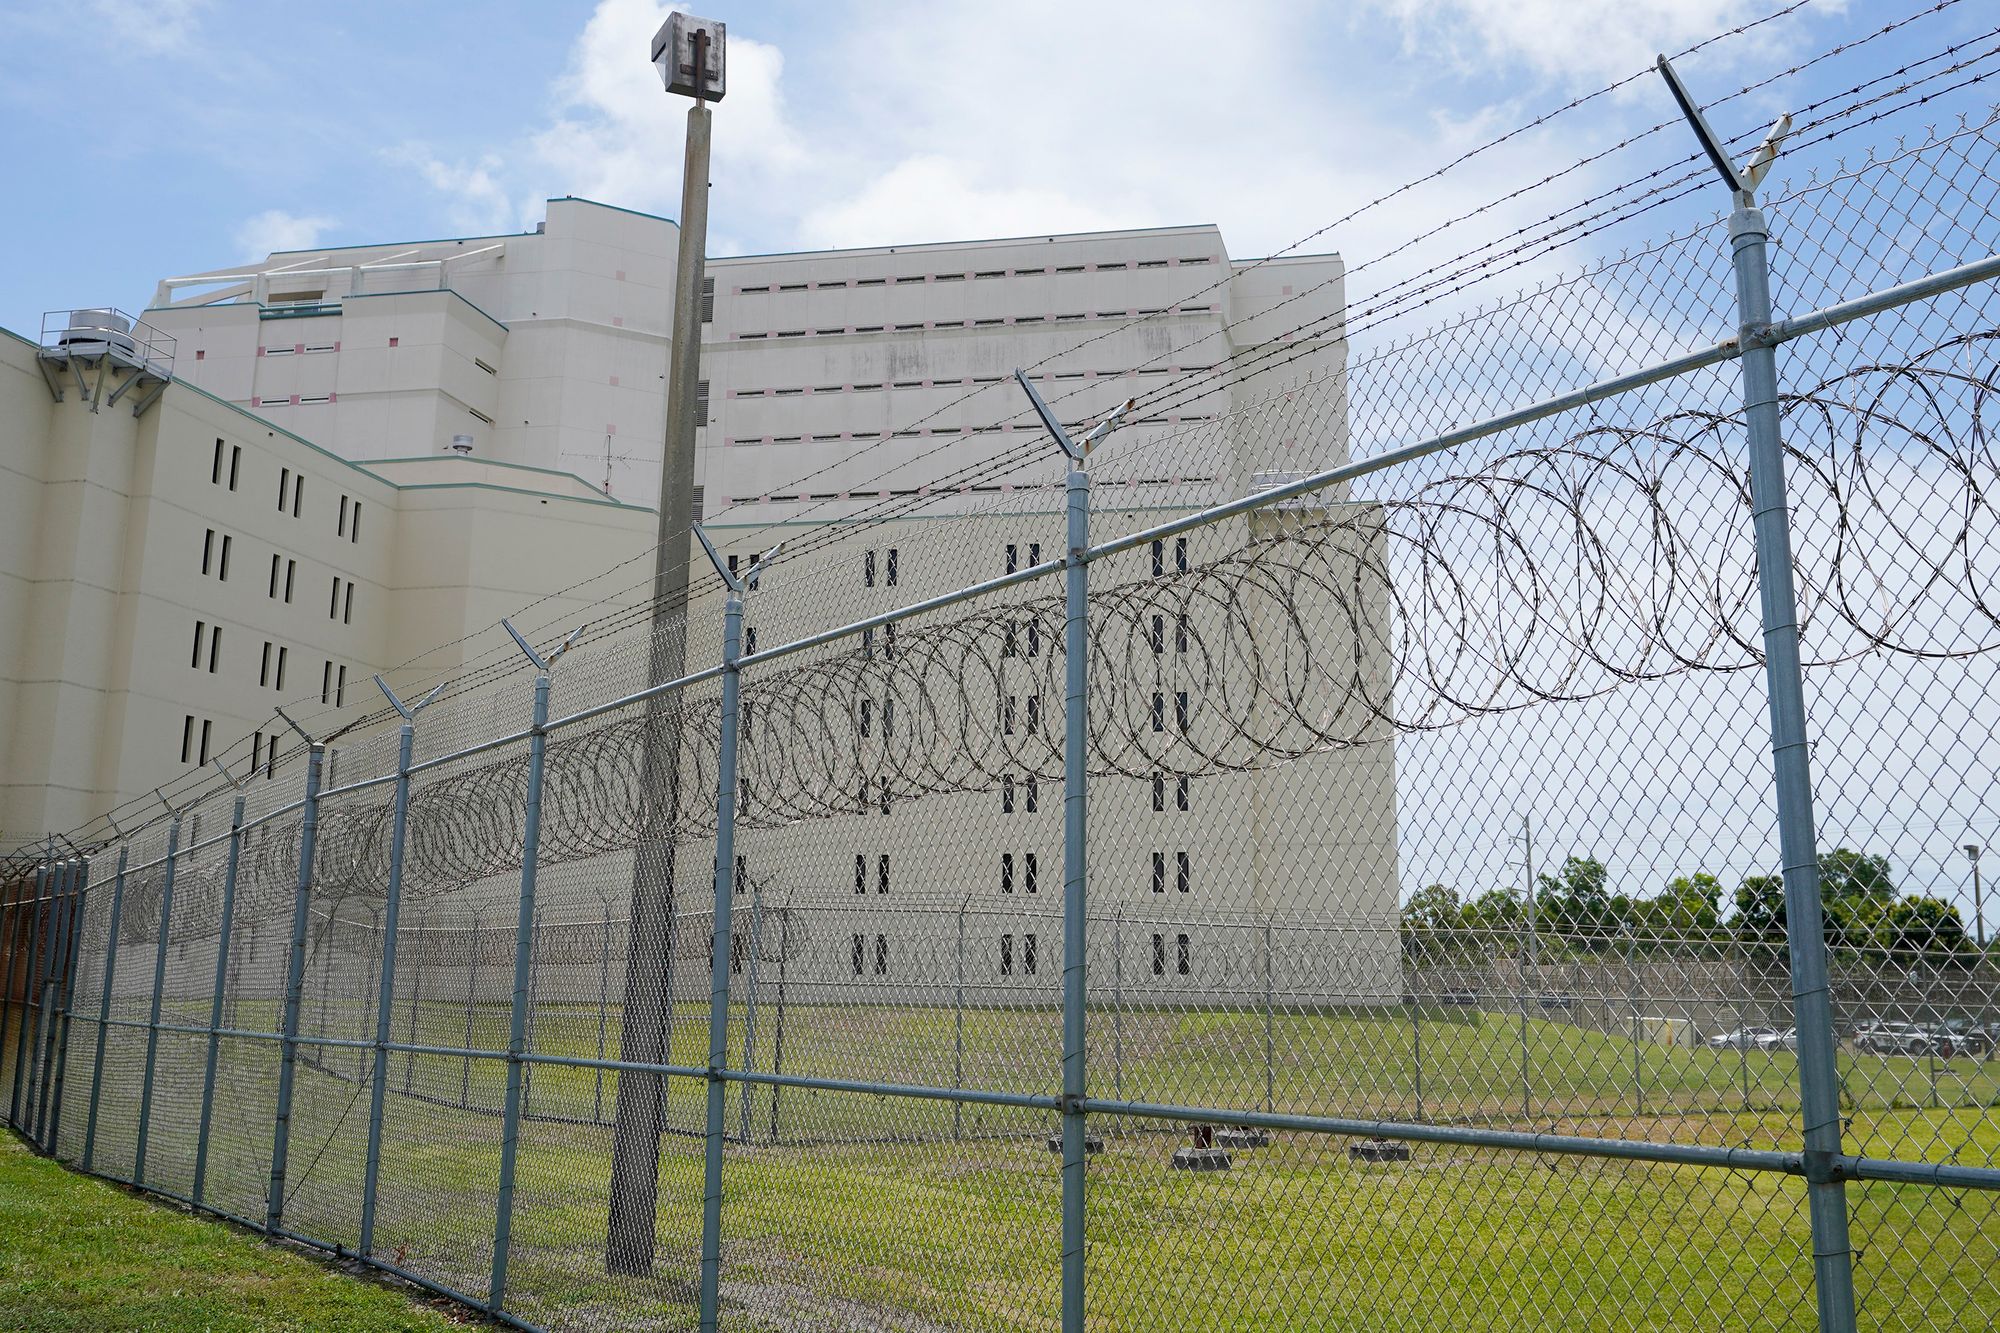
column 167, row 577
column 835, row 383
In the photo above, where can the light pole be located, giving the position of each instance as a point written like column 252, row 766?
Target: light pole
column 690, row 55
column 1971, row 850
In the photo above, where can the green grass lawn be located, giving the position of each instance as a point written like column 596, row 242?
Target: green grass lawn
column 79, row 1254
column 920, row 1232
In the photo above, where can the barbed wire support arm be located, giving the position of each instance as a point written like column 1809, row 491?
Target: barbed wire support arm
column 222, row 933
column 720, row 950
column 165, row 927
column 1819, row 1074
column 385, row 999
column 524, row 958
column 295, row 977
column 104, row 1010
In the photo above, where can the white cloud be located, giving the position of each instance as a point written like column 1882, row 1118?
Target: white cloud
column 274, row 230
column 149, row 27
column 617, row 133
column 926, row 197
column 1578, row 43
column 476, row 199
column 938, row 123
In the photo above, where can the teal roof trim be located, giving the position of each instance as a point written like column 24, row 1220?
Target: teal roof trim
column 381, row 245
column 482, row 462
column 421, row 291
column 327, row 309
column 975, row 240
column 598, row 203
column 604, row 501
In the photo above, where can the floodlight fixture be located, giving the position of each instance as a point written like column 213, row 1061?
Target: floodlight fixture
column 692, row 56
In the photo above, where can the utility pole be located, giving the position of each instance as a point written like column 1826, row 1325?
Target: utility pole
column 1978, row 900
column 690, row 55
column 1532, row 980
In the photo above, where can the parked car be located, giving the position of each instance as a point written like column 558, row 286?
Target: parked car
column 1885, row 1038
column 1784, row 1039
column 1962, row 1036
column 1745, row 1039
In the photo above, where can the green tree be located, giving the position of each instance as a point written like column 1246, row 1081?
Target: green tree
column 1922, row 927
column 1497, row 911
column 1846, row 875
column 1435, row 907
column 1689, row 906
column 1856, row 894
column 1575, row 905
column 1855, row 889
column 1760, row 910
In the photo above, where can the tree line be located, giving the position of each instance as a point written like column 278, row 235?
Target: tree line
column 1574, row 912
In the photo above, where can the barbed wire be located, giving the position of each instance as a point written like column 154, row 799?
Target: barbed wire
column 1278, row 353
column 1330, row 626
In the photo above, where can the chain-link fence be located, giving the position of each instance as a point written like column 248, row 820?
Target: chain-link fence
column 1523, row 880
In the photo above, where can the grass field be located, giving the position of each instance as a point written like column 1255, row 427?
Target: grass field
column 917, row 1231
column 78, row 1254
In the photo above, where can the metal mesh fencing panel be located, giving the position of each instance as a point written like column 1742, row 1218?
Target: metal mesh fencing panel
column 1409, row 937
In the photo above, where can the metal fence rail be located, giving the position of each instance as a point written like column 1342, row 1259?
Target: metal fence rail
column 1508, row 888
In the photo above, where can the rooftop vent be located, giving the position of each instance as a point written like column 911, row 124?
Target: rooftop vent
column 461, row 445
column 123, row 356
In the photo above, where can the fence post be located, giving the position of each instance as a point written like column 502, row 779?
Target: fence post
column 517, row 1023
column 75, row 930
column 43, row 1056
column 295, row 981
column 958, row 1027
column 215, row 1003
column 1819, row 1074
column 1417, row 1049
column 1270, row 1021
column 10, row 941
column 1819, row 1078
column 524, row 959
column 41, row 1051
column 750, row 1000
column 1632, row 1001
column 1076, row 665
column 778, row 1028
column 104, row 1009
column 534, row 1011
column 718, row 963
column 416, row 1000
column 153, row 1021
column 385, row 996
column 362, row 1054
column 471, row 999
column 603, row 1012
column 1118, row 1002
column 29, row 987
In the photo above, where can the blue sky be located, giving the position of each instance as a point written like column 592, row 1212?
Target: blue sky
column 152, row 137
